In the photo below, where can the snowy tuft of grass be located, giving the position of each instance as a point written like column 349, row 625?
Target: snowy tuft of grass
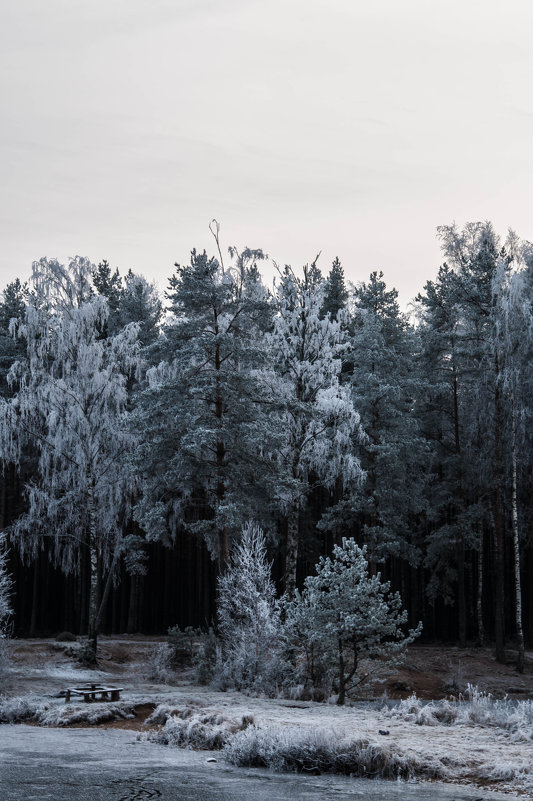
column 477, row 708
column 26, row 708
column 20, row 709
column 187, row 728
column 288, row 748
column 89, row 714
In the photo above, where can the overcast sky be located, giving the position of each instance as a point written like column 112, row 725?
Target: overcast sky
column 348, row 127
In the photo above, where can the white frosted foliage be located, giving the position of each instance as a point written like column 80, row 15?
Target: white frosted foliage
column 69, row 409
column 249, row 619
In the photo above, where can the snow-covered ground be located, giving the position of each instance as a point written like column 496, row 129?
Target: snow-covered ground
column 480, row 750
column 99, row 765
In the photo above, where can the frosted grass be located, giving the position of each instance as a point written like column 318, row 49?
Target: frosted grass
column 30, row 709
column 321, row 751
column 476, row 708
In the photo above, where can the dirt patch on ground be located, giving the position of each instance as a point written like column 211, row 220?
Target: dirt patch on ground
column 435, row 672
column 138, row 723
column 45, row 666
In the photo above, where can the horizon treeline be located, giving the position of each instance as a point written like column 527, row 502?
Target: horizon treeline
column 139, row 434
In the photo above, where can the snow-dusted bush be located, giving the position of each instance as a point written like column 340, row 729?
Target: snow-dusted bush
column 346, row 626
column 290, row 748
column 176, row 653
column 190, row 729
column 158, row 666
column 208, row 659
column 249, row 615
column 181, row 644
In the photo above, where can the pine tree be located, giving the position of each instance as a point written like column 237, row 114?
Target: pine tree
column 139, row 302
column 108, row 284
column 335, row 294
column 385, row 511
column 348, row 620
column 207, row 461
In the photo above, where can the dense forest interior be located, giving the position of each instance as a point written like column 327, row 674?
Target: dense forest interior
column 139, row 435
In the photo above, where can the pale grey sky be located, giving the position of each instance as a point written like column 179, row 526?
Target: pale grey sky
column 350, row 127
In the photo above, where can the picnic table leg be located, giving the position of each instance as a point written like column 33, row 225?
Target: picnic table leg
column 67, row 696
column 115, row 695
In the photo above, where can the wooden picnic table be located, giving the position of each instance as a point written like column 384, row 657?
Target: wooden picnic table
column 89, row 693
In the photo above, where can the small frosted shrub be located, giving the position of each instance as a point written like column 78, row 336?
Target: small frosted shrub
column 181, row 644
column 158, row 666
column 207, row 662
column 249, row 616
column 66, row 636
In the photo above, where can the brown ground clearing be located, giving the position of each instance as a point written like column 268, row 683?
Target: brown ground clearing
column 430, row 671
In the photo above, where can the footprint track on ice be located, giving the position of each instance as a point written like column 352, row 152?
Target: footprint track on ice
column 140, row 794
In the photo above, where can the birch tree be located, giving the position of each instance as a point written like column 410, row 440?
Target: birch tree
column 5, row 591
column 514, row 332
column 69, row 405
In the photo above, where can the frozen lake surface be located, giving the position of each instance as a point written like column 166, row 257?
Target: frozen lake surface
column 111, row 765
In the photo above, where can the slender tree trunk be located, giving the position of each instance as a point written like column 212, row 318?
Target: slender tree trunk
column 459, row 505
column 342, row 684
column 516, row 546
column 499, row 563
column 83, row 595
column 35, row 600
column 479, row 599
column 224, row 550
column 132, row 625
column 107, row 589
column 291, row 551
column 94, row 588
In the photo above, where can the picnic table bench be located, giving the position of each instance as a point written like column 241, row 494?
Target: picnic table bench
column 89, row 693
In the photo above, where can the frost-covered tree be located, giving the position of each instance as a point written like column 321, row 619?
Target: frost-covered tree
column 512, row 289
column 461, row 311
column 385, row 382
column 319, row 422
column 12, row 308
column 347, row 623
column 335, row 292
column 109, row 284
column 248, row 613
column 208, row 436
column 139, row 303
column 69, row 406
